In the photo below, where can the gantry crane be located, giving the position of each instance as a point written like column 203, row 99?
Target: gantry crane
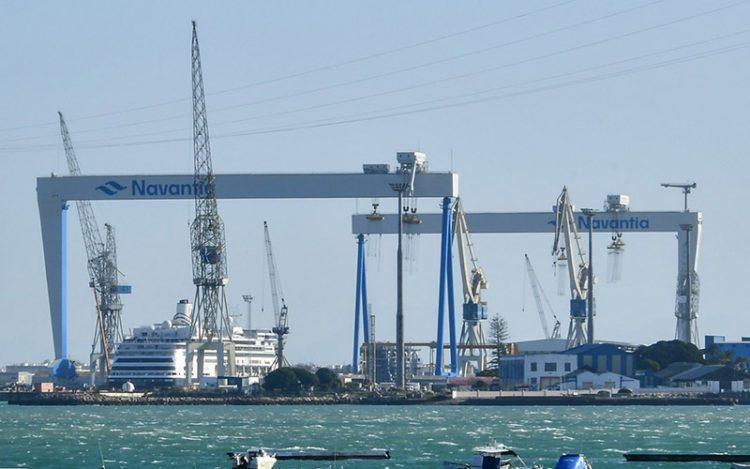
column 210, row 321
column 103, row 273
column 538, row 292
column 566, row 240
column 474, row 309
column 280, row 312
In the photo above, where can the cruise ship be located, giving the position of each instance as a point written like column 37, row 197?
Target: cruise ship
column 154, row 356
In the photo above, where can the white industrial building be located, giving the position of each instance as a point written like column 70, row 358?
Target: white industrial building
column 584, row 379
column 546, row 370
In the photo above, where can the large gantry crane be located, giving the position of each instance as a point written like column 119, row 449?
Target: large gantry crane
column 103, row 274
column 280, row 311
column 566, row 240
column 210, row 326
column 473, row 354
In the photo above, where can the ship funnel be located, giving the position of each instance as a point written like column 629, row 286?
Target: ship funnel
column 184, row 313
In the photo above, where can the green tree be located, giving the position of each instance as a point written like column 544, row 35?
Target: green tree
column 666, row 352
column 289, row 381
column 305, row 378
column 498, row 337
column 328, row 380
column 281, row 381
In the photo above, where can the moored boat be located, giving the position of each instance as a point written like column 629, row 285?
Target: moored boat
column 499, row 456
column 259, row 458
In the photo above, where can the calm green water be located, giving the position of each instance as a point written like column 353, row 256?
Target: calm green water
column 418, row 436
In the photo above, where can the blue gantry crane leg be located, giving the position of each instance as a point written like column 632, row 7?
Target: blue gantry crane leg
column 360, row 303
column 446, row 286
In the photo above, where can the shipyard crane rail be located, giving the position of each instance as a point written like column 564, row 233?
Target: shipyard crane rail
column 102, row 269
column 280, row 310
column 538, row 293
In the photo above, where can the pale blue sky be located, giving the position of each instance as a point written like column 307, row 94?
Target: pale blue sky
column 601, row 96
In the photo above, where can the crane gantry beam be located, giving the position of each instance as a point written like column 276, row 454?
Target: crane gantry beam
column 54, row 192
column 688, row 241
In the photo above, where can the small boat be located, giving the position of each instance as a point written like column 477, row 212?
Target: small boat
column 499, row 456
column 262, row 459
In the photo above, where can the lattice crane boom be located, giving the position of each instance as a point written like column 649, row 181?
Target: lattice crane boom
column 211, row 318
column 472, row 339
column 566, row 234
column 92, row 239
column 474, row 280
column 101, row 263
column 280, row 309
column 566, row 240
column 539, row 295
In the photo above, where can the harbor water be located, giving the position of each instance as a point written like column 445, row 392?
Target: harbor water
column 418, row 436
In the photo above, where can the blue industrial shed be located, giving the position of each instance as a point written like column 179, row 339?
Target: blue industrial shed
column 605, row 357
column 716, row 344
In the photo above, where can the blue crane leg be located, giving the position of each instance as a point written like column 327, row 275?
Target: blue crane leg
column 357, row 302
column 451, row 303
column 365, row 308
column 444, row 237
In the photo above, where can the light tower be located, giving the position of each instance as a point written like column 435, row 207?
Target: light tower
column 210, row 323
column 249, row 300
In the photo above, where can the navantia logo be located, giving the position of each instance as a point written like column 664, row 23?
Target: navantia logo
column 111, row 187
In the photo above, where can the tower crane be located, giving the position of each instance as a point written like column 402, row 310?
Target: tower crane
column 102, row 268
column 536, row 289
column 566, row 239
column 280, row 313
column 474, row 309
column 210, row 321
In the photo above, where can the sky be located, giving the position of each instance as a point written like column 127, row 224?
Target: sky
column 518, row 98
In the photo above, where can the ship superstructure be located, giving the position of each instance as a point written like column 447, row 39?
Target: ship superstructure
column 154, row 356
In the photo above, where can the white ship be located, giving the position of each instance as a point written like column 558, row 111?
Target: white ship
column 154, row 356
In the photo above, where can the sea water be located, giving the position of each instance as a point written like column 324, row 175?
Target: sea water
column 418, row 436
